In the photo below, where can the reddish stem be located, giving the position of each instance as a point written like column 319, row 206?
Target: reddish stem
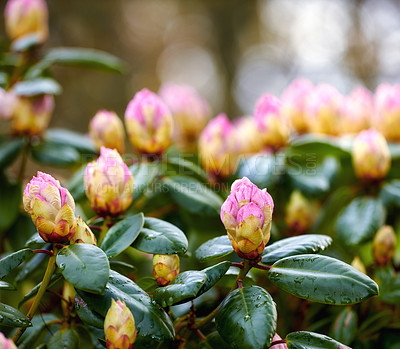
column 281, row 341
column 262, row 267
column 50, row 253
column 238, row 265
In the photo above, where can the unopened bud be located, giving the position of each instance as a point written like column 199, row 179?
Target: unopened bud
column 359, row 265
column 165, row 268
column 8, row 102
column 384, row 245
column 300, row 213
column 83, row 234
column 250, row 141
column 6, row 343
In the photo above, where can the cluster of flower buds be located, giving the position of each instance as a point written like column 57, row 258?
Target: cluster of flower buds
column 27, row 17
column 247, row 216
column 273, row 126
column 106, row 130
column 6, row 343
column 294, row 100
column 83, row 234
column 31, row 115
column 384, row 245
column 119, row 326
column 190, row 112
column 217, row 147
column 51, row 208
column 371, row 156
column 109, row 184
column 300, row 213
column 165, row 268
column 149, row 123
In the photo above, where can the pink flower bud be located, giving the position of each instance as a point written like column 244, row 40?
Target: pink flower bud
column 149, row 123
column 119, row 326
column 26, row 17
column 109, row 184
column 106, row 130
column 247, row 216
column 358, row 108
column 324, row 109
column 83, row 234
column 32, row 114
column 51, row 208
column 387, row 111
column 294, row 100
column 371, row 156
column 384, row 245
column 271, row 123
column 6, row 343
column 278, row 346
column 8, row 102
column 250, row 141
column 165, row 268
column 190, row 112
column 217, row 147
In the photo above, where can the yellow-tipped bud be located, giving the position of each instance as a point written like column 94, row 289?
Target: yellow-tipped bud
column 165, row 268
column 359, row 265
column 300, row 213
column 83, row 234
column 384, row 245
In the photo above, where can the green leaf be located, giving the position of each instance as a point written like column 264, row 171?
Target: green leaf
column 64, row 339
column 88, row 316
column 121, row 235
column 53, row 154
column 31, row 265
column 322, row 279
column 31, row 335
column 10, row 200
column 35, row 241
column 81, row 57
column 144, row 174
column 26, row 42
column 12, row 317
column 160, row 237
column 75, row 140
column 6, row 286
column 9, row 151
column 122, row 267
column 246, row 319
column 193, row 195
column 185, row 286
column 310, row 243
column 185, row 167
column 76, row 184
column 311, row 340
column 35, row 87
column 390, row 193
column 214, row 340
column 214, row 248
column 344, row 328
column 214, row 274
column 152, row 323
column 85, row 266
column 360, row 220
column 12, row 261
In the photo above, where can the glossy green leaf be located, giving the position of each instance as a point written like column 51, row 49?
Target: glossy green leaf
column 214, row 248
column 214, row 340
column 246, row 319
column 10, row 200
column 389, row 285
column 12, row 317
column 214, row 274
column 75, row 140
column 87, row 315
column 160, row 237
column 6, row 286
column 85, row 266
column 152, row 323
column 38, row 86
column 121, row 235
column 322, row 279
column 53, row 154
column 35, row 241
column 26, row 42
column 9, row 151
column 310, row 243
column 193, row 195
column 311, row 340
column 390, row 193
column 122, row 267
column 39, row 259
column 63, row 339
column 185, row 286
column 32, row 334
column 12, row 261
column 360, row 220
column 344, row 328
column 184, row 167
column 144, row 174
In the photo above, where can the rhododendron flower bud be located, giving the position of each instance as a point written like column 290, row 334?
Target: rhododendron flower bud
column 165, row 268
column 371, row 156
column 250, row 138
column 51, row 208
column 217, row 147
column 190, row 112
column 270, row 121
column 27, row 17
column 8, row 102
column 294, row 102
column 109, row 184
column 106, row 130
column 358, row 264
column 247, row 216
column 6, row 343
column 384, row 245
column 324, row 109
column 149, row 123
column 357, row 112
column 387, row 111
column 83, row 234
column 32, row 114
column 119, row 326
column 278, row 346
column 300, row 213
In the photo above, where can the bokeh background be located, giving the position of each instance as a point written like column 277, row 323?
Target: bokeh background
column 232, row 51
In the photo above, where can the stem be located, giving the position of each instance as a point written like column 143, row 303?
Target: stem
column 51, row 266
column 50, row 253
column 281, row 341
column 262, row 267
column 104, row 230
